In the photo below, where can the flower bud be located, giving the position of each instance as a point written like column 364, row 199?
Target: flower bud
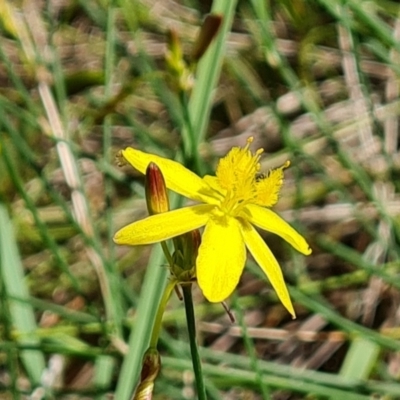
column 185, row 255
column 180, row 76
column 156, row 190
column 150, row 368
column 208, row 31
column 174, row 45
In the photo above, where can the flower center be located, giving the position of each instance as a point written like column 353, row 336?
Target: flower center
column 237, row 174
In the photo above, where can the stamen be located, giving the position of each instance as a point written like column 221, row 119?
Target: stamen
column 286, row 165
column 237, row 173
column 250, row 140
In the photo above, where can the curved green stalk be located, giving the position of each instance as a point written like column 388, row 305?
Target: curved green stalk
column 160, row 312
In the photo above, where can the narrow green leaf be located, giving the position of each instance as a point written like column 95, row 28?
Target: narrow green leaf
column 360, row 359
column 17, row 296
column 209, row 69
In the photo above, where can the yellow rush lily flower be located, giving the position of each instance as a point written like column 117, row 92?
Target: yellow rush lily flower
column 231, row 202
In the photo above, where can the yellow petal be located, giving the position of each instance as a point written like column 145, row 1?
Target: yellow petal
column 157, row 228
column 272, row 222
column 266, row 260
column 221, row 258
column 177, row 177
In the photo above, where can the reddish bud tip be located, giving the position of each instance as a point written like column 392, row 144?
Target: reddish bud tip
column 156, row 190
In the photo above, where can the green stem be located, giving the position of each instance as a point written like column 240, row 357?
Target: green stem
column 250, row 347
column 191, row 153
column 198, row 373
column 160, row 312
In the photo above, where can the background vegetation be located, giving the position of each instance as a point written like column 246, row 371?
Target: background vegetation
column 316, row 82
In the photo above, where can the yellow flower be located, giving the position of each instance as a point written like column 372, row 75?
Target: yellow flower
column 231, row 202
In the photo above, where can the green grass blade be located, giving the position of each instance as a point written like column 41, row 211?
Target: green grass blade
column 236, row 377
column 360, row 359
column 104, row 370
column 17, row 296
column 208, row 72
column 151, row 292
